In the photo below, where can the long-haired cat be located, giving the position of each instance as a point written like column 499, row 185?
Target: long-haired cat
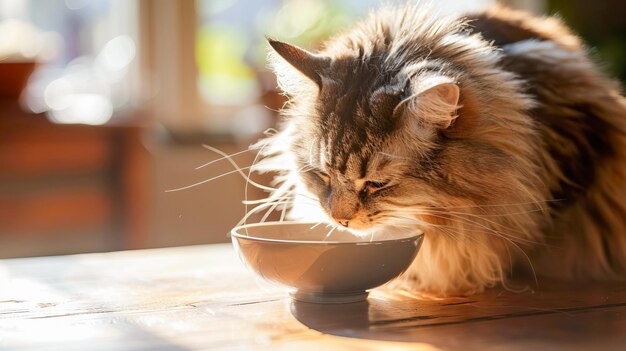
column 492, row 133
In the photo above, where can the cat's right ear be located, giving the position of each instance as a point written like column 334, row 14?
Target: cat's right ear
column 311, row 65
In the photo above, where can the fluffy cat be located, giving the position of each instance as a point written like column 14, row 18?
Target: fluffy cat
column 493, row 133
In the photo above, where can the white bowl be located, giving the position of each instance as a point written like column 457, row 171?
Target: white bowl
column 326, row 271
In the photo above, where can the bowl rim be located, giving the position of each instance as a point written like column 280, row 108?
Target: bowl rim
column 234, row 233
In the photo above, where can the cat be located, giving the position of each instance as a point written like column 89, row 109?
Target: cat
column 494, row 133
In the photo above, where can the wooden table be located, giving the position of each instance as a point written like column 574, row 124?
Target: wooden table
column 202, row 298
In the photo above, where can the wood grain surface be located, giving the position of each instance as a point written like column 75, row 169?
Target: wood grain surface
column 202, row 298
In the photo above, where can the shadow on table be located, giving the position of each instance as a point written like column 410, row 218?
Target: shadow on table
column 464, row 324
column 333, row 319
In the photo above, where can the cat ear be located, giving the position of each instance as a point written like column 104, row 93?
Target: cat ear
column 435, row 101
column 310, row 64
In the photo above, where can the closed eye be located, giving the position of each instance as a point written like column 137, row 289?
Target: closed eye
column 323, row 176
column 373, row 186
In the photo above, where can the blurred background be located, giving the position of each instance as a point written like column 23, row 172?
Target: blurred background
column 105, row 105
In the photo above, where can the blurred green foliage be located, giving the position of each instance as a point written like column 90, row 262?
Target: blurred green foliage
column 602, row 24
column 231, row 50
column 224, row 76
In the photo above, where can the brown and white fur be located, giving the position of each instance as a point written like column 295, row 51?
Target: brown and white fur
column 493, row 133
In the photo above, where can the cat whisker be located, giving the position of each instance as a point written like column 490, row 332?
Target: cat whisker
column 444, row 215
column 330, row 232
column 236, row 166
column 474, row 224
column 271, row 209
column 283, row 190
column 206, row 180
column 259, row 208
column 283, row 213
column 504, row 236
column 256, row 157
column 461, row 216
column 511, row 213
column 315, row 225
column 271, row 109
column 281, row 200
column 409, row 223
column 500, row 235
column 271, row 199
column 488, row 205
column 532, row 267
column 270, row 131
column 224, row 155
column 443, row 228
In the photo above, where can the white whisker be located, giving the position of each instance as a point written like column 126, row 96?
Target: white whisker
column 315, row 225
column 504, row 236
column 245, row 196
column 330, row 232
column 234, row 164
column 224, row 156
column 257, row 209
column 205, row 181
column 283, row 213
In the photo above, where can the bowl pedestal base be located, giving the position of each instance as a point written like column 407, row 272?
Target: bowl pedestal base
column 316, row 297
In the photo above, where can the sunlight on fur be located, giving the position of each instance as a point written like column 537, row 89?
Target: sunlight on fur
column 414, row 121
column 506, row 149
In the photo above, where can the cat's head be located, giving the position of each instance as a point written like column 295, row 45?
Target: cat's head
column 368, row 142
column 378, row 142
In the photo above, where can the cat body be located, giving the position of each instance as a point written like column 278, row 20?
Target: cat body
column 493, row 133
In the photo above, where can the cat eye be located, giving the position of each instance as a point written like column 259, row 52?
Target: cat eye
column 323, row 176
column 372, row 186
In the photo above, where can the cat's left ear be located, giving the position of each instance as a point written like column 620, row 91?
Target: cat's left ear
column 311, row 65
column 434, row 101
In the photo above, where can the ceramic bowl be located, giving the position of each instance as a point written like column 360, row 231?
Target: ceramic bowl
column 338, row 269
